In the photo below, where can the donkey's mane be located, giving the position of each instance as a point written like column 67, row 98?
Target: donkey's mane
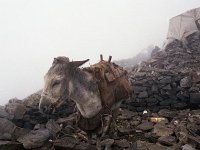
column 58, row 68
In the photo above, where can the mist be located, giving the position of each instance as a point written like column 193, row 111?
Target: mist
column 32, row 33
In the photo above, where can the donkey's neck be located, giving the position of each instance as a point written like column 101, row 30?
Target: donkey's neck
column 85, row 80
column 84, row 91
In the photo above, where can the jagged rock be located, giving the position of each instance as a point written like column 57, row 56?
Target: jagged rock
column 167, row 140
column 143, row 94
column 3, row 113
column 15, row 108
column 122, row 143
column 161, row 130
column 166, row 80
column 84, row 146
column 8, row 145
column 195, row 98
column 138, row 89
column 145, row 126
column 33, row 100
column 107, row 143
column 53, row 127
column 72, row 143
column 65, row 143
column 7, row 129
column 167, row 87
column 194, row 141
column 187, row 147
column 167, row 113
column 34, row 138
column 142, row 145
column 186, row 82
column 19, row 132
column 126, row 114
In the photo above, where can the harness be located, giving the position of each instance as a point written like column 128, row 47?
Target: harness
column 113, row 87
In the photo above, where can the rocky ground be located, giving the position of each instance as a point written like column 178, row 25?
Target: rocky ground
column 22, row 126
column 170, row 79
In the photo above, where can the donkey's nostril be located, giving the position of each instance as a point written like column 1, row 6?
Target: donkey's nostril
column 44, row 109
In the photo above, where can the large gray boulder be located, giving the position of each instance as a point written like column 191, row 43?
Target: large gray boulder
column 15, row 108
column 3, row 113
column 7, row 129
column 35, row 138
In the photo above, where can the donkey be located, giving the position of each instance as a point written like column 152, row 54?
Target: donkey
column 91, row 93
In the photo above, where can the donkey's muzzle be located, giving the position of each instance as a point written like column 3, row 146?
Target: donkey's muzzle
column 46, row 106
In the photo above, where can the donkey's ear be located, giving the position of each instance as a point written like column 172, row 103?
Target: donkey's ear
column 76, row 64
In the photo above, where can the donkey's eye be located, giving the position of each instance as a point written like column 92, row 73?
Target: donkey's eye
column 56, row 83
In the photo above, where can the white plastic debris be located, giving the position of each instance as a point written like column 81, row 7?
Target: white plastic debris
column 145, row 112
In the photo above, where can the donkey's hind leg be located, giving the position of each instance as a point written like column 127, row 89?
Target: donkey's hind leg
column 106, row 124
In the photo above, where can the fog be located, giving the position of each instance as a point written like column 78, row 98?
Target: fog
column 33, row 32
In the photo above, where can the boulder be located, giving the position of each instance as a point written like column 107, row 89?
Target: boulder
column 7, row 129
column 8, row 145
column 145, row 126
column 122, row 143
column 15, row 108
column 3, row 113
column 143, row 145
column 186, row 82
column 53, row 127
column 35, row 138
column 161, row 130
column 195, row 98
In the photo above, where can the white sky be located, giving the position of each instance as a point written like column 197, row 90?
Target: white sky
column 33, row 32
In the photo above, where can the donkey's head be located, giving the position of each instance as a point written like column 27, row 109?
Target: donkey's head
column 65, row 80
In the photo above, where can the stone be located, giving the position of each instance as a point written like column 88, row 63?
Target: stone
column 179, row 105
column 181, row 96
column 122, row 143
column 107, row 143
column 125, row 130
column 166, row 102
column 166, row 80
column 126, row 114
column 33, row 100
column 16, row 109
column 8, row 145
column 194, row 141
column 167, row 87
column 167, row 113
column 151, row 100
column 161, row 130
column 53, row 127
column 143, row 94
column 138, row 89
column 145, row 126
column 7, row 129
column 35, row 138
column 154, row 88
column 186, row 82
column 84, row 146
column 167, row 140
column 187, row 147
column 65, row 143
column 195, row 98
column 3, row 113
column 135, row 123
column 143, row 145
column 19, row 132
